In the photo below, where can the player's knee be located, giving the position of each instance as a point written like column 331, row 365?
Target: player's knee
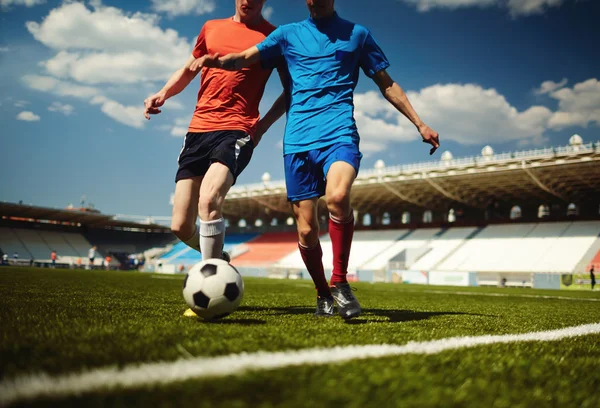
column 308, row 234
column 182, row 230
column 338, row 202
column 210, row 207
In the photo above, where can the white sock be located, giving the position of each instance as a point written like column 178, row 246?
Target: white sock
column 212, row 238
column 194, row 241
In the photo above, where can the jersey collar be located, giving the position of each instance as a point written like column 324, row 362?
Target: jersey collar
column 325, row 20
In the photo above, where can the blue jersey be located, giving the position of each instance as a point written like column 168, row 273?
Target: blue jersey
column 323, row 58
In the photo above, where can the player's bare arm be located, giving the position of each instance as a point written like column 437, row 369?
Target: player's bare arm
column 396, row 96
column 277, row 110
column 177, row 83
column 229, row 62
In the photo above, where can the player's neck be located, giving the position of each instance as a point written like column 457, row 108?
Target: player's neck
column 248, row 21
column 323, row 16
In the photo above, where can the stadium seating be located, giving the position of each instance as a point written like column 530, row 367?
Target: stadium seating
column 545, row 247
column 35, row 244
column 366, row 245
column 10, row 243
column 416, row 239
column 181, row 254
column 267, row 249
column 442, row 246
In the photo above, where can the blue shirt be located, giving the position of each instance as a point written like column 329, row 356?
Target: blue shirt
column 323, row 58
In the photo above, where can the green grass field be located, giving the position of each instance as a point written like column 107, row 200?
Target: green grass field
column 61, row 321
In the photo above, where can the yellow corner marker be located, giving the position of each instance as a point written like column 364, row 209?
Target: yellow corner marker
column 190, row 313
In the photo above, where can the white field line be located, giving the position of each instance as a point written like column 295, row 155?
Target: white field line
column 44, row 385
column 444, row 292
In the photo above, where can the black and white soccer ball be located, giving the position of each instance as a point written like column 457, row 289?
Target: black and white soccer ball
column 213, row 289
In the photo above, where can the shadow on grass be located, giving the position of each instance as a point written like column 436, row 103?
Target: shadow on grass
column 241, row 322
column 393, row 316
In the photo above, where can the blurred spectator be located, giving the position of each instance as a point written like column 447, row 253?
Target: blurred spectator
column 92, row 256
column 5, row 259
column 108, row 259
column 16, row 256
column 592, row 277
column 53, row 258
column 78, row 263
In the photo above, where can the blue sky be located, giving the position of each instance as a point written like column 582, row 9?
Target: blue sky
column 514, row 74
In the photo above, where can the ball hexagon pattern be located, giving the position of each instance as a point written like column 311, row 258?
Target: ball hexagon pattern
column 213, row 289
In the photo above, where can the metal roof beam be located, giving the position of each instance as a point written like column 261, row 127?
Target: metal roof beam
column 539, row 182
column 446, row 192
column 270, row 206
column 402, row 196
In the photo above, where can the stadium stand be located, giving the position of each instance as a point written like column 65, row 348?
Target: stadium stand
column 366, row 244
column 34, row 243
column 181, row 254
column 10, row 243
column 411, row 244
column 442, row 246
column 544, row 247
column 267, row 249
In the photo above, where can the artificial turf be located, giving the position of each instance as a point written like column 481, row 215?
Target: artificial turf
column 62, row 321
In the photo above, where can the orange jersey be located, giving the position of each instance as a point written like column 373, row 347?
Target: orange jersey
column 229, row 100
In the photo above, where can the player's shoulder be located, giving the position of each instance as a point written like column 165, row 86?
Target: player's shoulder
column 357, row 29
column 217, row 22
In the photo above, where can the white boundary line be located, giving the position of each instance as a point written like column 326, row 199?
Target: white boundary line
column 442, row 292
column 44, row 385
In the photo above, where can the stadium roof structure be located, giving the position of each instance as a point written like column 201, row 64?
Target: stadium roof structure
column 75, row 217
column 531, row 177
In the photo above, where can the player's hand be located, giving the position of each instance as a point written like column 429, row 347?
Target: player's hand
column 152, row 103
column 260, row 131
column 430, row 136
column 209, row 61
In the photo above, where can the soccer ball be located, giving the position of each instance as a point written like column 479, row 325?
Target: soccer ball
column 213, row 289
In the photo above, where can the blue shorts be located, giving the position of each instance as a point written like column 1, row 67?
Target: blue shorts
column 306, row 172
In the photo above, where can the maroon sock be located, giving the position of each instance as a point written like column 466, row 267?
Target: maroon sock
column 313, row 259
column 341, row 233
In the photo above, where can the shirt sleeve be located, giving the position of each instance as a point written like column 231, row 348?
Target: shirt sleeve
column 200, row 47
column 372, row 58
column 271, row 48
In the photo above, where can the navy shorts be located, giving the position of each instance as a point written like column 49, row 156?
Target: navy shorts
column 233, row 148
column 306, row 172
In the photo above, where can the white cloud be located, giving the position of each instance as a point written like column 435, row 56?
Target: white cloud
column 175, row 8
column 467, row 114
column 426, row 5
column 58, row 87
column 21, row 104
column 268, row 12
column 515, row 7
column 577, row 106
column 109, row 46
column 63, row 108
column 471, row 115
column 128, row 115
column 527, row 7
column 28, row 116
column 27, row 3
column 180, row 127
column 550, row 86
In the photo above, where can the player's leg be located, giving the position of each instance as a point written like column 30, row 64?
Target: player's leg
column 341, row 168
column 217, row 182
column 185, row 211
column 229, row 155
column 304, row 187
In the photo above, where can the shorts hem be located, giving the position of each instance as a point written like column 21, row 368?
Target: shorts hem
column 305, row 196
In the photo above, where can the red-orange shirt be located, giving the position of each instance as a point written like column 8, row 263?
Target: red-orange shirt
column 229, row 100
